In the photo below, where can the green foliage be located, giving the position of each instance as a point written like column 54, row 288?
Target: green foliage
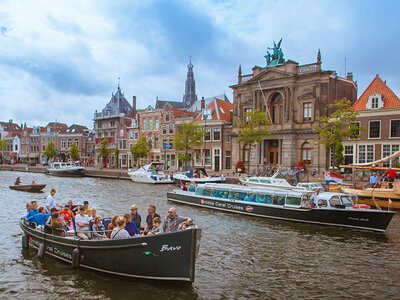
column 116, row 155
column 104, row 150
column 339, row 158
column 3, row 144
column 253, row 130
column 50, row 151
column 188, row 135
column 74, row 152
column 140, row 149
column 338, row 125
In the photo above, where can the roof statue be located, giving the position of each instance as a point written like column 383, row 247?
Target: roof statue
column 276, row 57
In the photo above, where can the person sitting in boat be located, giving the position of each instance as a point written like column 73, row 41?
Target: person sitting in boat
column 214, row 193
column 186, row 225
column 373, row 180
column 120, row 232
column 113, row 224
column 65, row 215
column 130, row 226
column 18, row 181
column 305, row 202
column 41, row 217
column 192, row 187
column 33, row 182
column 74, row 208
column 93, row 213
column 87, row 209
column 261, row 199
column 57, row 228
column 157, row 228
column 314, row 198
column 98, row 229
column 392, row 175
column 252, row 198
column 135, row 216
column 172, row 221
column 225, row 194
column 82, row 224
column 246, row 198
column 33, row 209
column 230, row 196
column 151, row 210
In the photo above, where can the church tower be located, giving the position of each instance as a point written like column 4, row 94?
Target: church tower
column 190, row 96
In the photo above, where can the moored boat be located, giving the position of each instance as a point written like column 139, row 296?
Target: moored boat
column 198, row 175
column 291, row 180
column 65, row 169
column 381, row 196
column 169, row 256
column 150, row 173
column 33, row 188
column 335, row 209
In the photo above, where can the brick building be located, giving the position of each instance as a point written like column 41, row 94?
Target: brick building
column 77, row 134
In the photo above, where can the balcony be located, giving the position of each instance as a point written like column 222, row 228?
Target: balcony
column 107, row 115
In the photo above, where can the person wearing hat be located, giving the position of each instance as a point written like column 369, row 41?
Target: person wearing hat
column 373, row 180
column 136, row 218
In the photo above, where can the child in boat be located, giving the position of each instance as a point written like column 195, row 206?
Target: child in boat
column 157, row 228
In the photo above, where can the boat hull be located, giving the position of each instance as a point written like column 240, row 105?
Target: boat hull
column 199, row 180
column 352, row 218
column 35, row 188
column 67, row 172
column 381, row 196
column 170, row 256
column 144, row 179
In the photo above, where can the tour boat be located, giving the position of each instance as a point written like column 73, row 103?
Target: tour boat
column 65, row 169
column 150, row 173
column 167, row 256
column 199, row 175
column 335, row 209
column 291, row 180
column 34, row 188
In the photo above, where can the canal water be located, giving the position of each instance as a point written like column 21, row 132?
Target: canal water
column 240, row 257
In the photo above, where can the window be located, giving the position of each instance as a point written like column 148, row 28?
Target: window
column 156, row 142
column 121, row 133
column 197, row 157
column 150, row 124
column 131, row 136
column 112, row 124
column 374, row 103
column 164, row 130
column 150, row 142
column 208, row 157
column 306, row 153
column 348, row 155
column 77, row 142
column 123, row 160
column 216, row 134
column 389, row 150
column 122, row 144
column 246, row 111
column 207, row 136
column 144, row 124
column 164, row 142
column 136, row 135
column 157, row 124
column 277, row 109
column 69, row 143
column 112, row 134
column 99, row 125
column 228, row 162
column 228, row 137
column 394, row 128
column 167, row 118
column 89, row 148
column 63, row 143
column 170, row 142
column 365, row 153
column 171, row 129
column 307, row 112
column 374, row 129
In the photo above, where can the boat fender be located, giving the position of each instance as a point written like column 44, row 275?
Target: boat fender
column 75, row 258
column 25, row 242
column 362, row 206
column 41, row 251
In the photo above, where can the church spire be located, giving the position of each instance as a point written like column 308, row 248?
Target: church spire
column 190, row 96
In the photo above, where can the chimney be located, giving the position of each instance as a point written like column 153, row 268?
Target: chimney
column 134, row 106
column 350, row 76
column 203, row 103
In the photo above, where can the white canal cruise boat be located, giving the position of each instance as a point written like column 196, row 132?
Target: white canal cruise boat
column 65, row 169
column 150, row 173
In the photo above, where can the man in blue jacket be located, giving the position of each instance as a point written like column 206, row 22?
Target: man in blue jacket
column 131, row 226
column 41, row 217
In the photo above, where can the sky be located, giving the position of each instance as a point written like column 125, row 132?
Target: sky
column 62, row 60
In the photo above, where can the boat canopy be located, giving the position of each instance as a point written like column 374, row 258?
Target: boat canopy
column 157, row 166
column 293, row 177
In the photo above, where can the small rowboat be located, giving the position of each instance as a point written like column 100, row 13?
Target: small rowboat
column 33, row 188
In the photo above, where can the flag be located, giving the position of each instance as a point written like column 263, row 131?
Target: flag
column 332, row 177
column 182, row 185
column 390, row 201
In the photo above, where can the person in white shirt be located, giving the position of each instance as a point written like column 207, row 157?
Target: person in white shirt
column 50, row 201
column 314, row 198
column 82, row 224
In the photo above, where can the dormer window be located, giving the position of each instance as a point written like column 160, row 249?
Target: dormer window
column 375, row 101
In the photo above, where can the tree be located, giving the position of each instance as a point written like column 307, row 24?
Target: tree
column 104, row 151
column 50, row 151
column 253, row 130
column 140, row 149
column 74, row 152
column 188, row 135
column 116, row 155
column 3, row 146
column 338, row 125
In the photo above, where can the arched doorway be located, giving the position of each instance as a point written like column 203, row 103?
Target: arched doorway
column 306, row 153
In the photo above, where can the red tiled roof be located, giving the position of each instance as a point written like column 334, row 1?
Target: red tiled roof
column 178, row 112
column 379, row 87
column 221, row 110
column 12, row 134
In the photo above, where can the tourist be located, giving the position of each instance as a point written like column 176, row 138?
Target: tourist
column 39, row 218
column 120, row 232
column 157, row 228
column 392, row 175
column 82, row 224
column 314, row 198
column 74, row 208
column 56, row 227
column 33, row 182
column 192, row 187
column 31, row 207
column 187, row 224
column 65, row 215
column 93, row 212
column 18, row 181
column 50, row 201
column 52, row 211
column 98, row 229
column 87, row 209
column 135, row 216
column 373, row 180
column 252, row 198
column 28, row 207
column 305, row 202
column 172, row 220
column 151, row 210
column 113, row 224
column 246, row 198
column 130, row 226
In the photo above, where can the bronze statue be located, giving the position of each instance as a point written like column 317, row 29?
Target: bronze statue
column 277, row 57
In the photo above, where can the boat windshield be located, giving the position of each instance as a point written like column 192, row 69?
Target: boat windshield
column 347, row 201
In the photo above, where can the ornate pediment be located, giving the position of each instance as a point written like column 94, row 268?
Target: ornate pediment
column 270, row 74
column 306, row 96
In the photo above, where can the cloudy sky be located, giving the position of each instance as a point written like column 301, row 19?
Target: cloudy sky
column 60, row 60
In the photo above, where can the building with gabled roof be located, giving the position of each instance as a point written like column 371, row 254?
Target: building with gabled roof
column 379, row 113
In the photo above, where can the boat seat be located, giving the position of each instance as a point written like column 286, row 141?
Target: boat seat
column 106, row 222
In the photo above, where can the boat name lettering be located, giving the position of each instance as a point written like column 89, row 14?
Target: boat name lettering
column 359, row 219
column 235, row 206
column 54, row 250
column 170, row 248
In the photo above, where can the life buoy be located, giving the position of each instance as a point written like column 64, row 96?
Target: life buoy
column 362, row 206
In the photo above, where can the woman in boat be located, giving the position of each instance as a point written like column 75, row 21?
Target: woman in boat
column 98, row 229
column 120, row 232
column 55, row 224
column 113, row 224
column 18, row 181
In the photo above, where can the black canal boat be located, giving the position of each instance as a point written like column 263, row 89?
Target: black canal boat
column 169, row 256
column 335, row 209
